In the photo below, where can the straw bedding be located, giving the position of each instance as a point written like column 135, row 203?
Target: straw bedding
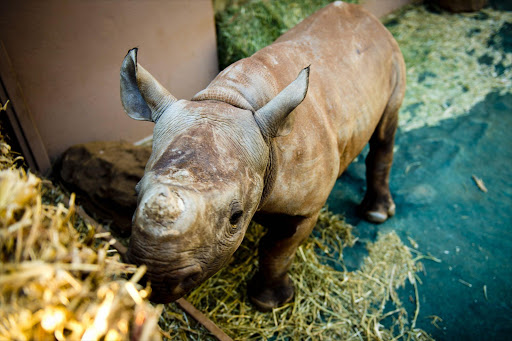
column 330, row 302
column 56, row 283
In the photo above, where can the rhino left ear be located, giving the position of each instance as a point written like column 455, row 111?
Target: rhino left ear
column 272, row 117
column 143, row 97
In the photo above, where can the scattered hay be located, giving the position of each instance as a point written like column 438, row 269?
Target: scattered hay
column 452, row 61
column 55, row 283
column 330, row 303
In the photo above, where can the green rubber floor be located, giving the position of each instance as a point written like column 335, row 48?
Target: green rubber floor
column 439, row 204
column 440, row 207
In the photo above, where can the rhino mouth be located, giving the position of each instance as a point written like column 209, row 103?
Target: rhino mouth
column 168, row 286
column 169, row 280
column 172, row 285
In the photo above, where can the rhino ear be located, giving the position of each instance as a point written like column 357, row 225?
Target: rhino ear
column 143, row 97
column 273, row 118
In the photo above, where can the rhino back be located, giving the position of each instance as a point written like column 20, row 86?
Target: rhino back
column 354, row 62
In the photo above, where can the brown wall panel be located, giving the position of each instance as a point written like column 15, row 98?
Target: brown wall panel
column 67, row 55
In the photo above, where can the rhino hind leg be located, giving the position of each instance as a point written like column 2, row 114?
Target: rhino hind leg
column 377, row 205
column 271, row 286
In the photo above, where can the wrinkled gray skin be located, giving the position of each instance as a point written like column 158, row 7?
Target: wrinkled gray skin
column 244, row 148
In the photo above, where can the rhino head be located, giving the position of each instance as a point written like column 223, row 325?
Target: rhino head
column 204, row 180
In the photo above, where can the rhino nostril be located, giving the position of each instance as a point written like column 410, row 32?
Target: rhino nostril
column 191, row 279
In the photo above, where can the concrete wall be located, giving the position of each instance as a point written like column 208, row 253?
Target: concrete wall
column 65, row 58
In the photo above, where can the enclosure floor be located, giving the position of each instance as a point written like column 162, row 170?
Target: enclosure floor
column 440, row 206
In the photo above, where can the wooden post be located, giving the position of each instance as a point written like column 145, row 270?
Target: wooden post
column 20, row 118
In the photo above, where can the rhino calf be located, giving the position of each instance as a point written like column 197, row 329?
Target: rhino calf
column 253, row 145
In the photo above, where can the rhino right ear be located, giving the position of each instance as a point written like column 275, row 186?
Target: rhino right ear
column 143, row 97
column 273, row 118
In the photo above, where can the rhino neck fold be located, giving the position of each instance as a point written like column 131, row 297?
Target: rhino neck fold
column 247, row 84
column 230, row 97
column 270, row 173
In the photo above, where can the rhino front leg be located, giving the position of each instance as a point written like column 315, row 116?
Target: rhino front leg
column 271, row 287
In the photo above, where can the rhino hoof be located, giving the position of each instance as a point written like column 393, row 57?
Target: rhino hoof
column 376, row 217
column 267, row 298
column 378, row 212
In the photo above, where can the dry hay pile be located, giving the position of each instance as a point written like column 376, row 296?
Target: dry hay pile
column 330, row 302
column 55, row 283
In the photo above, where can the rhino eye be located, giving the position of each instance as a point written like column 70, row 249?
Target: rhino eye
column 236, row 214
column 235, row 217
